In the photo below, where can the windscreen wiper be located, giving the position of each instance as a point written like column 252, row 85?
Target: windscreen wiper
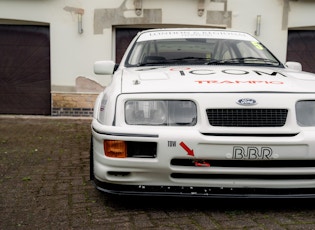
column 151, row 63
column 173, row 61
column 246, row 60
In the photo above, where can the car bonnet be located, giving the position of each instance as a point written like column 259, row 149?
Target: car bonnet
column 215, row 79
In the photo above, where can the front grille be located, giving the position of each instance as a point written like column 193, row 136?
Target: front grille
column 247, row 117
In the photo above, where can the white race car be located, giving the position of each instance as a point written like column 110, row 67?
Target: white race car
column 206, row 113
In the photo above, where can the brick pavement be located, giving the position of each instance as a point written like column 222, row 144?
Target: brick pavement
column 44, row 169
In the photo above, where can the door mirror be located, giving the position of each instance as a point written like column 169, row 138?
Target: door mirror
column 294, row 65
column 104, row 67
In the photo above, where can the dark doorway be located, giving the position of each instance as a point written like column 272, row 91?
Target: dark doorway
column 25, row 70
column 301, row 48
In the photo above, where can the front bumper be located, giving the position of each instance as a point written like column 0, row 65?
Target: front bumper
column 288, row 172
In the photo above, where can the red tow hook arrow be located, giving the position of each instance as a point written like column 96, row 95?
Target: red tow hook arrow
column 189, row 151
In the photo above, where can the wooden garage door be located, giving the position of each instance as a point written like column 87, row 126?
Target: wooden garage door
column 25, row 70
column 301, row 48
column 123, row 39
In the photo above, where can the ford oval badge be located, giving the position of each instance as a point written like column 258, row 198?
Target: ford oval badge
column 246, row 101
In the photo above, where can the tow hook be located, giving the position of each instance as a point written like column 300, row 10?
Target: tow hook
column 201, row 163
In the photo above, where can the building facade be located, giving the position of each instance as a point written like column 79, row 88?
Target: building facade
column 48, row 47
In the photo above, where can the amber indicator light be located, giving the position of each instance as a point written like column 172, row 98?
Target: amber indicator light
column 115, row 149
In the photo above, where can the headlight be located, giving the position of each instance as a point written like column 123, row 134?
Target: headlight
column 168, row 113
column 305, row 113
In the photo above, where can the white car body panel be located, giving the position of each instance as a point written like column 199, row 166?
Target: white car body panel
column 202, row 159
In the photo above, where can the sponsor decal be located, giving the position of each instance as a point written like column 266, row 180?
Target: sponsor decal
column 238, row 72
column 239, row 82
column 252, row 153
column 258, row 45
column 215, row 34
column 232, row 72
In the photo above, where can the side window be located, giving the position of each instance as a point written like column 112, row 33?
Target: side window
column 149, row 50
column 152, row 48
column 246, row 51
column 135, row 56
column 223, row 50
column 141, row 51
column 227, row 52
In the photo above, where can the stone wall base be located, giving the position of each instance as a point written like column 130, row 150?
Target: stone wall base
column 73, row 104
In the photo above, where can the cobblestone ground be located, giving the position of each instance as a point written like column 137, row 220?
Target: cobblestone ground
column 44, row 168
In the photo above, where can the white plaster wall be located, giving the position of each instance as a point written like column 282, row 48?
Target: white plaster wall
column 272, row 34
column 302, row 14
column 177, row 11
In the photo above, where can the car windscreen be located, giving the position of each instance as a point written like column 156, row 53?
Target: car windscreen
column 196, row 51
